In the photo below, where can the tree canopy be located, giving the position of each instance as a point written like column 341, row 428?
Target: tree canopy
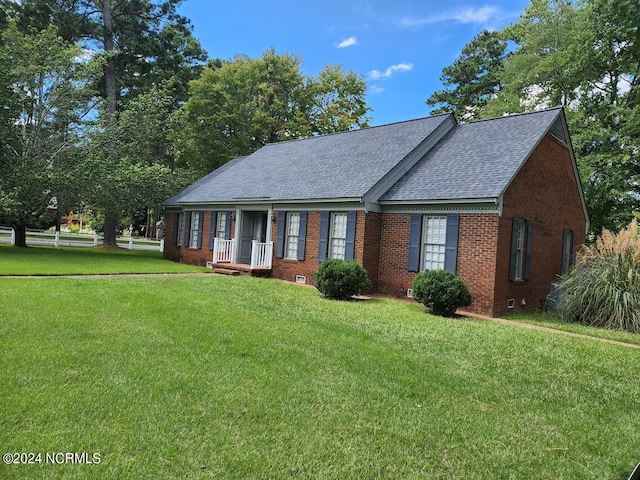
column 237, row 106
column 585, row 56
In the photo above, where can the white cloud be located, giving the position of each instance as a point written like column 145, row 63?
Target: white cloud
column 348, row 42
column 375, row 89
column 480, row 15
column 400, row 67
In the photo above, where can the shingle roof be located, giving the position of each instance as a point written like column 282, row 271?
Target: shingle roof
column 342, row 165
column 474, row 160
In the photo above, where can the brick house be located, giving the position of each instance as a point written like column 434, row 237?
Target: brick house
column 498, row 202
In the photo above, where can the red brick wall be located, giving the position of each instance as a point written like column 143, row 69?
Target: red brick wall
column 477, row 239
column 393, row 277
column 371, row 241
column 476, row 256
column 286, row 269
column 171, row 251
column 544, row 192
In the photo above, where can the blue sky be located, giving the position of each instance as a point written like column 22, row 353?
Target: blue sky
column 399, row 46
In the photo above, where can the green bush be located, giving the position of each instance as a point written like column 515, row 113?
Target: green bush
column 441, row 291
column 341, row 279
column 604, row 288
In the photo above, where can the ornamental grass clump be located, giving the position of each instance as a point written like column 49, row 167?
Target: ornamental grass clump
column 604, row 288
column 341, row 279
column 441, row 291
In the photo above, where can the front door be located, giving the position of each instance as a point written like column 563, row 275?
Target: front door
column 254, row 227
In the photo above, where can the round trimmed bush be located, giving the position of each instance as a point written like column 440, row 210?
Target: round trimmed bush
column 441, row 291
column 341, row 279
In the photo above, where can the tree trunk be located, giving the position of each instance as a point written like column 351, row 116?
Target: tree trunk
column 111, row 217
column 111, row 221
column 21, row 235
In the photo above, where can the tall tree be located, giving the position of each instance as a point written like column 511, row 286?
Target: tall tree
column 141, row 41
column 236, row 107
column 49, row 95
column 474, row 78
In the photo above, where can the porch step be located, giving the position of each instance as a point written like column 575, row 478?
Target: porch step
column 226, row 271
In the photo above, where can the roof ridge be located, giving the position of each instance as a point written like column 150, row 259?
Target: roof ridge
column 511, row 115
column 361, row 129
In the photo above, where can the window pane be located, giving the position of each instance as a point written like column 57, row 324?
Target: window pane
column 195, row 225
column 293, row 231
column 519, row 248
column 434, row 237
column 338, row 236
column 221, row 225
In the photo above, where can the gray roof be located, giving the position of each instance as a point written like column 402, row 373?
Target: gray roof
column 341, row 165
column 474, row 160
column 406, row 161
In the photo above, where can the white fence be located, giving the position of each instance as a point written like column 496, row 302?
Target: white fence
column 223, row 250
column 58, row 239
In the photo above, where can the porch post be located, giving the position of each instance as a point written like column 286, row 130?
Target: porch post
column 269, row 225
column 236, row 236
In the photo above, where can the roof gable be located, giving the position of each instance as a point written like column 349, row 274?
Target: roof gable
column 476, row 160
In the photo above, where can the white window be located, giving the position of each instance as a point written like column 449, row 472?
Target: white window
column 338, row 240
column 221, row 227
column 195, row 229
column 433, row 236
column 179, row 219
column 293, row 234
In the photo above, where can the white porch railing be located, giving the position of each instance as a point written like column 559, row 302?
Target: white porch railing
column 223, row 250
column 261, row 254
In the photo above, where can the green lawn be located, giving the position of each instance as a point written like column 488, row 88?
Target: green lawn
column 554, row 320
column 85, row 260
column 238, row 377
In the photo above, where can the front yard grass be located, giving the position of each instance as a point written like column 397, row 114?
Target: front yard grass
column 554, row 320
column 238, row 377
column 85, row 260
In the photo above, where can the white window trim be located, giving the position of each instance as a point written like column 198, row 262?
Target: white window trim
column 180, row 220
column 424, row 244
column 292, row 237
column 221, row 224
column 334, row 240
column 195, row 230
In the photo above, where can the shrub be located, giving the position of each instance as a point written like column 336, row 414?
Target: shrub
column 441, row 291
column 604, row 288
column 341, row 279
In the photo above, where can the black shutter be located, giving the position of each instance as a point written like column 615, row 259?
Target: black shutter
column 176, row 227
column 451, row 243
column 282, row 222
column 415, row 236
column 566, row 251
column 227, row 226
column 514, row 249
column 574, row 249
column 302, row 235
column 323, row 242
column 527, row 264
column 349, row 251
column 200, row 223
column 212, row 228
column 187, row 230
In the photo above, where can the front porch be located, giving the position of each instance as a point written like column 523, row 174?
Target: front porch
column 226, row 259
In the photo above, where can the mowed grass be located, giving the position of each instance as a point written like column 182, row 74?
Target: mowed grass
column 85, row 260
column 238, row 377
column 554, row 320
